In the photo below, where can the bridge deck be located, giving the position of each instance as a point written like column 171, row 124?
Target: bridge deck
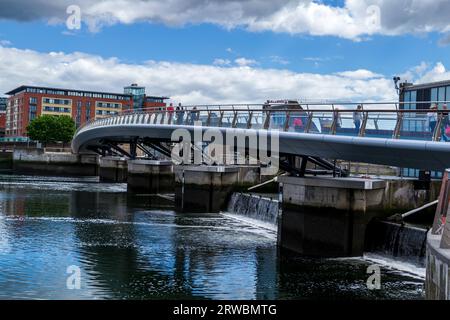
column 402, row 138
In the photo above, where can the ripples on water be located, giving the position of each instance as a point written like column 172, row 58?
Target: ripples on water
column 136, row 247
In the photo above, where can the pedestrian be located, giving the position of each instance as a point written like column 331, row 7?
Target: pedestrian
column 357, row 116
column 298, row 124
column 445, row 125
column 194, row 115
column 337, row 118
column 180, row 114
column 432, row 118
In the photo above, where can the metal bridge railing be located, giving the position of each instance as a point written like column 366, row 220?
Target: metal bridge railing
column 380, row 120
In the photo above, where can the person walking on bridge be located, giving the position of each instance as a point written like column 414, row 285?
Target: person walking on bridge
column 432, row 118
column 357, row 116
column 337, row 118
column 445, row 125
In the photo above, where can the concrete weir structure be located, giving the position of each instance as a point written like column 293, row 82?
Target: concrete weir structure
column 150, row 176
column 208, row 188
column 113, row 169
column 36, row 161
column 328, row 217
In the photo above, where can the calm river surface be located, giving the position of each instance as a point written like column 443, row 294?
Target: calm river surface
column 137, row 247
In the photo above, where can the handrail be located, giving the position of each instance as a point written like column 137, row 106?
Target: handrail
column 233, row 114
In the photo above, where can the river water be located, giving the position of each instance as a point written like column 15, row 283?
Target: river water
column 137, row 247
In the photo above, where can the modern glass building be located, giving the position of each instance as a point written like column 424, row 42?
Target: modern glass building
column 138, row 94
column 419, row 97
column 141, row 100
column 3, row 102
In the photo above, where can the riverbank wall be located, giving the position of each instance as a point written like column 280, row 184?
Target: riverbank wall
column 36, row 161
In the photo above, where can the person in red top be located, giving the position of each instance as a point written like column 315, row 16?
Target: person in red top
column 170, row 108
column 298, row 124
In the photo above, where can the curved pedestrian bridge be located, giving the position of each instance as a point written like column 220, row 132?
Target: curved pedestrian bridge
column 378, row 133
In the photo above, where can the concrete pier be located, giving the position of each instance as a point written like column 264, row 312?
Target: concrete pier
column 437, row 281
column 113, row 169
column 326, row 216
column 437, row 269
column 207, row 188
column 36, row 161
column 150, row 176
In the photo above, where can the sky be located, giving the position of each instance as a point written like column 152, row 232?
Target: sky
column 226, row 51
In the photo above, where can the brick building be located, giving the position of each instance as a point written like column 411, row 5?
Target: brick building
column 28, row 102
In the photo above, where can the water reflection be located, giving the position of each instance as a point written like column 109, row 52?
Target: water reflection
column 135, row 247
column 125, row 248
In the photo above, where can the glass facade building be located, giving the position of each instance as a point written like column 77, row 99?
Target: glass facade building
column 420, row 97
column 138, row 94
column 3, row 102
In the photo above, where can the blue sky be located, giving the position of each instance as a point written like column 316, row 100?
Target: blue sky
column 202, row 44
column 327, row 44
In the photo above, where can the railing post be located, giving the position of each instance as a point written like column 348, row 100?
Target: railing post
column 267, row 120
column 233, row 124
column 362, row 130
column 334, row 123
column 437, row 128
column 219, row 124
column 398, row 126
column 208, row 120
column 309, row 123
column 249, row 122
column 286, row 121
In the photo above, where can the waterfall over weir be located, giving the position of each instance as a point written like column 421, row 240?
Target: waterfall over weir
column 254, row 207
column 400, row 241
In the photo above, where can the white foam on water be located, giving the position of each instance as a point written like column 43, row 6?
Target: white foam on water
column 402, row 266
column 247, row 227
column 266, row 229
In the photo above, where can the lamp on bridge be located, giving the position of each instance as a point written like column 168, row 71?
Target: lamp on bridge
column 396, row 81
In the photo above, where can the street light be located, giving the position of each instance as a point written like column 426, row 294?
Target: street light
column 396, row 81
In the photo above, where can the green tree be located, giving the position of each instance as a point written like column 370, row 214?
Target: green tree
column 49, row 128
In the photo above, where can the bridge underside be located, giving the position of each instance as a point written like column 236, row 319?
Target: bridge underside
column 425, row 155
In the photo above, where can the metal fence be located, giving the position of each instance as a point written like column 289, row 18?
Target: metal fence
column 377, row 120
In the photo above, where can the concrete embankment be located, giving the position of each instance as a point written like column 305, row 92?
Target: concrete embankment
column 36, row 161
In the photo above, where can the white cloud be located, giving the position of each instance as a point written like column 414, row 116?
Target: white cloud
column 359, row 74
column 355, row 19
column 222, row 62
column 244, row 62
column 187, row 83
column 5, row 43
column 279, row 60
column 437, row 73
